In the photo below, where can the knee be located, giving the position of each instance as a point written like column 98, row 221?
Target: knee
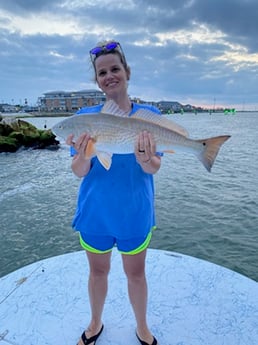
column 99, row 264
column 99, row 271
column 134, row 267
column 135, row 275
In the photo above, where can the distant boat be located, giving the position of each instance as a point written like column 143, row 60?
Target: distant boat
column 230, row 111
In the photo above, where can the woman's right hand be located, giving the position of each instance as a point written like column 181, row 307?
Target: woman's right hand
column 81, row 163
column 80, row 145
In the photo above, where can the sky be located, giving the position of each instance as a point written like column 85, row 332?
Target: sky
column 199, row 52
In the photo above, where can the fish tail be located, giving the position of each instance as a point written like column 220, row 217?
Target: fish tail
column 211, row 148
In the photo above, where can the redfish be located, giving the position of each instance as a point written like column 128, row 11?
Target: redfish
column 114, row 132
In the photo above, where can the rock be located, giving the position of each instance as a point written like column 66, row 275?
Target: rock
column 8, row 144
column 5, row 129
column 19, row 133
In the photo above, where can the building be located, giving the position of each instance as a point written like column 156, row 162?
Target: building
column 169, row 106
column 64, row 101
column 7, row 108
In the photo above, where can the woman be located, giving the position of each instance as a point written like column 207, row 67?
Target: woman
column 115, row 207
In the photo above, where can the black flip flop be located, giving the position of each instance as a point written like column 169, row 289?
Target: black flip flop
column 92, row 339
column 144, row 343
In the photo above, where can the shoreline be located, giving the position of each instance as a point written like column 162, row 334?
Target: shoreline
column 28, row 115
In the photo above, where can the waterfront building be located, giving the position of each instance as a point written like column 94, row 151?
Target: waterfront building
column 7, row 108
column 169, row 106
column 69, row 101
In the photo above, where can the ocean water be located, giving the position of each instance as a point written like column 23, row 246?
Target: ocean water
column 212, row 216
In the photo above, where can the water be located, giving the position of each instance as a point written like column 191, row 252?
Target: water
column 212, row 216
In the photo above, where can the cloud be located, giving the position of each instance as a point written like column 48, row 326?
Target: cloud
column 192, row 50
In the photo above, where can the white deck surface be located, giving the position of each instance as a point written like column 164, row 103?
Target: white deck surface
column 191, row 302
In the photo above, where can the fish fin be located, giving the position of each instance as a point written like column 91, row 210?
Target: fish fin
column 169, row 151
column 112, row 108
column 90, row 150
column 105, row 159
column 211, row 148
column 147, row 115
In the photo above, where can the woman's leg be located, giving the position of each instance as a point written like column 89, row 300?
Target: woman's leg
column 134, row 267
column 97, row 287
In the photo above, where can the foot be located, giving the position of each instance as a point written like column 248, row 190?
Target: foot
column 148, row 340
column 90, row 336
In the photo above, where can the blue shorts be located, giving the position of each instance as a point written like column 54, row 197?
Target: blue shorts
column 105, row 244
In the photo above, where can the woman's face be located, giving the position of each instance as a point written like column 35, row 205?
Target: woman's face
column 111, row 75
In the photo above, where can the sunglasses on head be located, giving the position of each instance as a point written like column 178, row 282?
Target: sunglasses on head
column 95, row 52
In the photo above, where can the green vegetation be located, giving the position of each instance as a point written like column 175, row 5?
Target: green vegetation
column 21, row 134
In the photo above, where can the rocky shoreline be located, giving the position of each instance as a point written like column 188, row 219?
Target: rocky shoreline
column 16, row 134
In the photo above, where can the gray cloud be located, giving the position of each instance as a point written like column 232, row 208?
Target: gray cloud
column 188, row 50
column 26, row 6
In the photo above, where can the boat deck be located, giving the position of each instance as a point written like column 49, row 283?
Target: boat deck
column 191, row 302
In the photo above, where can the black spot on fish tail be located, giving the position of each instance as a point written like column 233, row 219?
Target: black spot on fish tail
column 212, row 147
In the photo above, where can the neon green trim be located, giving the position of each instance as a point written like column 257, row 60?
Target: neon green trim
column 142, row 247
column 91, row 249
column 139, row 249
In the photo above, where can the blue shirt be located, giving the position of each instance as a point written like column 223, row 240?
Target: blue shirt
column 118, row 202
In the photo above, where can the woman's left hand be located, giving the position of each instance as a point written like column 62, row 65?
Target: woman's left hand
column 145, row 152
column 145, row 147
